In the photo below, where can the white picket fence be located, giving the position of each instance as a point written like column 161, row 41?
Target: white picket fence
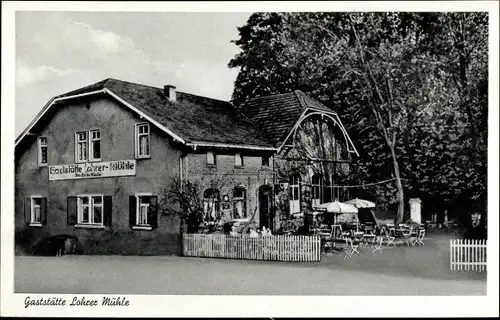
column 276, row 247
column 467, row 255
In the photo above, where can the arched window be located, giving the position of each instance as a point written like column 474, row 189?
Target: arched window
column 239, row 203
column 317, row 189
column 294, row 193
column 211, row 202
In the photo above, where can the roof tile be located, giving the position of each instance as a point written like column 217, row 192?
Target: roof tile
column 193, row 118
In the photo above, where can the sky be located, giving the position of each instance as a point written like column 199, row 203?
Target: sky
column 57, row 52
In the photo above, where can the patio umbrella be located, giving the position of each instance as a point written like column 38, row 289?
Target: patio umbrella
column 337, row 207
column 359, row 203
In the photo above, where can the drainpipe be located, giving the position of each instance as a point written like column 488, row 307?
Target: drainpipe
column 273, row 204
column 181, row 224
column 181, row 167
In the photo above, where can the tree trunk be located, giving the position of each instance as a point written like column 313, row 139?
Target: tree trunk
column 399, row 187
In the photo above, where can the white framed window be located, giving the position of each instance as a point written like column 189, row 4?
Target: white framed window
column 95, row 145
column 294, row 193
column 317, row 189
column 142, row 136
column 42, row 151
column 90, row 209
column 143, row 211
column 36, row 210
column 239, row 203
column 238, row 160
column 81, row 146
column 143, row 203
column 211, row 160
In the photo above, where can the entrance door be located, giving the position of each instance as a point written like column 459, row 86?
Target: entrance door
column 265, row 207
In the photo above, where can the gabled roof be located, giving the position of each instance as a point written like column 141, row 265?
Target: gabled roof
column 193, row 120
column 263, row 123
column 276, row 115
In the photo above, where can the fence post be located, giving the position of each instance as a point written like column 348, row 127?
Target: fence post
column 474, row 250
column 451, row 254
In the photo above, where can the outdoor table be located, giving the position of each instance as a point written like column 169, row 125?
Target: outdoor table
column 370, row 236
column 357, row 235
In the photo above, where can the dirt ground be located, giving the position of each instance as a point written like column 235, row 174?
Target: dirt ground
column 397, row 271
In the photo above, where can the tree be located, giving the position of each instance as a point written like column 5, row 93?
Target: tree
column 188, row 199
column 396, row 80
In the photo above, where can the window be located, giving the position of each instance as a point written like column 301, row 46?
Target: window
column 142, row 140
column 239, row 203
column 265, row 161
column 143, row 211
column 294, row 193
column 81, row 146
column 35, row 210
column 42, row 151
column 317, row 189
column 238, row 160
column 90, row 209
column 210, row 158
column 211, row 204
column 88, row 146
column 95, row 145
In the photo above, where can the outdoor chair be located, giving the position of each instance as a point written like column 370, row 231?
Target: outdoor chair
column 390, row 236
column 419, row 240
column 326, row 245
column 407, row 235
column 351, row 248
column 369, row 236
column 342, row 234
column 377, row 246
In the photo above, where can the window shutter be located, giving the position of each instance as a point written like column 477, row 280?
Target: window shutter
column 107, row 210
column 132, row 210
column 72, row 211
column 43, row 211
column 27, row 210
column 153, row 212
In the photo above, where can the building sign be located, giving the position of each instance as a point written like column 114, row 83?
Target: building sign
column 92, row 170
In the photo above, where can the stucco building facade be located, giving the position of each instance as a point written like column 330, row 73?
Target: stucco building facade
column 93, row 162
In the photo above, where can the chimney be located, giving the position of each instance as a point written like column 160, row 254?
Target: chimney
column 169, row 92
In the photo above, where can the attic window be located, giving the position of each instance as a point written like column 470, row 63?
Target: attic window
column 265, row 161
column 238, row 160
column 42, row 151
column 210, row 158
